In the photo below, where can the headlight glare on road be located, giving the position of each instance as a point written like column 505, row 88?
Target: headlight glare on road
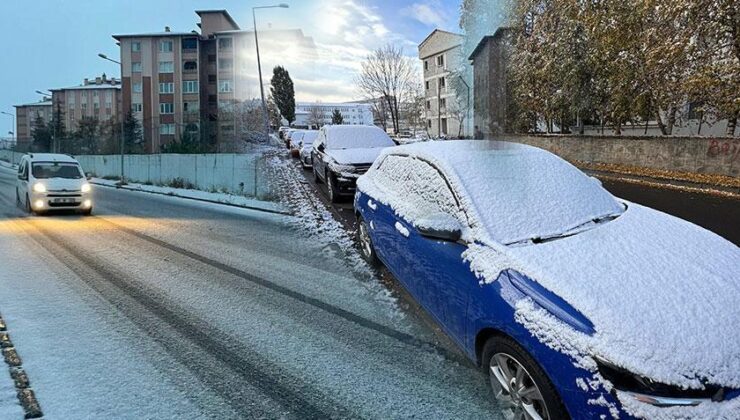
column 85, row 188
column 39, row 187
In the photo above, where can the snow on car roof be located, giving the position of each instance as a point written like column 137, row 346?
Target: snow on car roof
column 51, row 157
column 355, row 136
column 513, row 191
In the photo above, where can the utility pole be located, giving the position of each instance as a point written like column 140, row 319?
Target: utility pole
column 259, row 65
column 123, row 118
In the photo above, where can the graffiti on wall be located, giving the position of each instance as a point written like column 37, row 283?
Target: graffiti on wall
column 724, row 148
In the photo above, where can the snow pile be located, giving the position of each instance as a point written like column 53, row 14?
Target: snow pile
column 402, row 230
column 355, row 136
column 356, row 156
column 728, row 410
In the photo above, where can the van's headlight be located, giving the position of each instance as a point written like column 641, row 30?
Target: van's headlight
column 39, row 188
column 85, row 188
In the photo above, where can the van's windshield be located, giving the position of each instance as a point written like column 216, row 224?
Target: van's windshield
column 43, row 170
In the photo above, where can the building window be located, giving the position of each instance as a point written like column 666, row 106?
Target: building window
column 426, row 64
column 190, row 86
column 167, row 129
column 190, row 106
column 136, row 67
column 227, row 128
column 211, row 58
column 166, row 67
column 108, row 97
column 429, row 123
column 224, row 43
column 137, row 87
column 442, row 83
column 167, row 87
column 426, row 85
column 189, row 43
column 443, row 102
column 212, row 79
column 429, row 105
column 166, row 108
column 136, row 107
column 225, row 86
column 225, row 63
column 135, row 46
column 440, row 60
column 165, row 46
column 190, row 65
column 444, row 125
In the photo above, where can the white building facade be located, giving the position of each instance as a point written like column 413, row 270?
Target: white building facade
column 308, row 114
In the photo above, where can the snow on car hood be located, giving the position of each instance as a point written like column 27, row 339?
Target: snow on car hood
column 662, row 293
column 365, row 155
column 57, row 184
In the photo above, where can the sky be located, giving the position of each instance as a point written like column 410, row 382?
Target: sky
column 54, row 43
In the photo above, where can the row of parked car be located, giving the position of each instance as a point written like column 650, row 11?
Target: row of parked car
column 576, row 304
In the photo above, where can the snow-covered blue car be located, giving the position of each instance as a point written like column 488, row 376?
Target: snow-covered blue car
column 576, row 303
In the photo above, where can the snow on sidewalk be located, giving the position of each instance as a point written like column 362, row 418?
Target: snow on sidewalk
column 212, row 197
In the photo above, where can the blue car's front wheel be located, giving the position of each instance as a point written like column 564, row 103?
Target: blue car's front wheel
column 366, row 244
column 521, row 388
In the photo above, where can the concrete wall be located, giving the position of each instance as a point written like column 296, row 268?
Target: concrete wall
column 687, row 154
column 238, row 173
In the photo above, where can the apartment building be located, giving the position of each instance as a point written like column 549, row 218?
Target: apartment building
column 439, row 52
column 98, row 98
column 186, row 83
column 352, row 113
column 25, row 117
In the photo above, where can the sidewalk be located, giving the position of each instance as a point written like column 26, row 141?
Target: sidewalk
column 198, row 195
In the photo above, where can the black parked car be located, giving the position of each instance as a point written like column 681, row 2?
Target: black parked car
column 341, row 153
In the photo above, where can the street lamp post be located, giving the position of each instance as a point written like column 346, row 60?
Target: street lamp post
column 54, row 145
column 123, row 142
column 259, row 64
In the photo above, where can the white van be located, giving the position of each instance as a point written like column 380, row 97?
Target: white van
column 48, row 182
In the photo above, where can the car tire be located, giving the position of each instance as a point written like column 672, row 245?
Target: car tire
column 17, row 198
column 367, row 249
column 542, row 396
column 316, row 177
column 331, row 187
column 87, row 212
column 27, row 207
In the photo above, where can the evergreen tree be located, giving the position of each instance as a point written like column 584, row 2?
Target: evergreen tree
column 133, row 134
column 58, row 129
column 337, row 118
column 283, row 93
column 85, row 137
column 41, row 135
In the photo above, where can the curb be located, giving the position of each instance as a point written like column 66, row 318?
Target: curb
column 203, row 200
column 25, row 394
column 677, row 185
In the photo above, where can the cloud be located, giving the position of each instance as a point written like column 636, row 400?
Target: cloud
column 425, row 13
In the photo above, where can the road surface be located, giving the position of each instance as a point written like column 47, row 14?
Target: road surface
column 159, row 307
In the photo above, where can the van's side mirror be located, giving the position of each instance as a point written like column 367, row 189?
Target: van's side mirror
column 441, row 226
column 321, row 147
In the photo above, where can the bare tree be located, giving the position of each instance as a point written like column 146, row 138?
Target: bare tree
column 414, row 107
column 316, row 116
column 386, row 74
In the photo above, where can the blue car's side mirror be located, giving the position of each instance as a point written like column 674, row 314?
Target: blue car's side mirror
column 441, row 226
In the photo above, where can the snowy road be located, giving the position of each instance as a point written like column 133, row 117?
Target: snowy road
column 159, row 307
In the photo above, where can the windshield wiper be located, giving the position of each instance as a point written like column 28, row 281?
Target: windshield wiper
column 570, row 232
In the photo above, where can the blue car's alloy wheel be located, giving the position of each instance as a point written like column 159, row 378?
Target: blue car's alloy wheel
column 521, row 388
column 366, row 244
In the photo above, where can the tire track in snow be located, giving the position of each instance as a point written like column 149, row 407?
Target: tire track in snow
column 405, row 338
column 299, row 399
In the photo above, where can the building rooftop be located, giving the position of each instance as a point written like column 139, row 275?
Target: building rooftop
column 155, row 34
column 499, row 32
column 439, row 31
column 89, row 87
column 221, row 11
column 41, row 103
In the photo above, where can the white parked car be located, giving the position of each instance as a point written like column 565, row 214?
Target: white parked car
column 305, row 146
column 48, row 182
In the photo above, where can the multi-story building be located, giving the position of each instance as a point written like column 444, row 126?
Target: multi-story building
column 98, row 98
column 440, row 52
column 25, row 119
column 308, row 114
column 490, row 60
column 160, row 78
